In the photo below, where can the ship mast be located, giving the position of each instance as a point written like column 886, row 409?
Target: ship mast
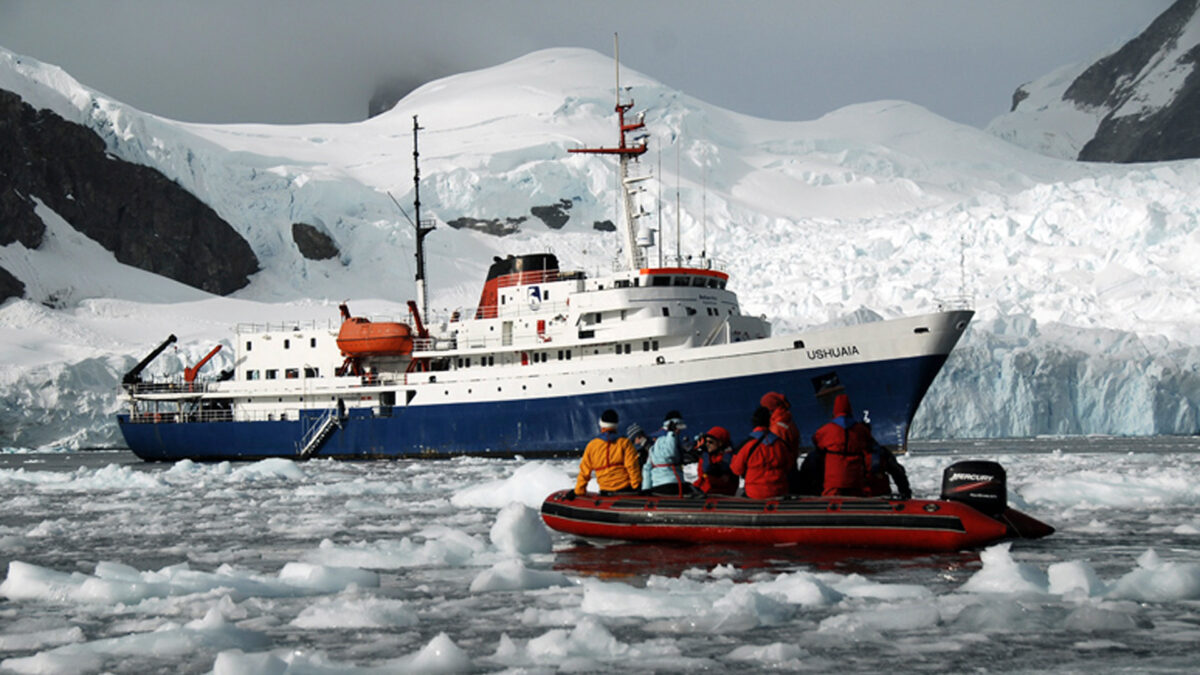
column 625, row 151
column 423, row 228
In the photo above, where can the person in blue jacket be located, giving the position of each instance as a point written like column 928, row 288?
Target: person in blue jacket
column 663, row 471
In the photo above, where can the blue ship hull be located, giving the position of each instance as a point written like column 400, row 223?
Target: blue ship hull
column 889, row 390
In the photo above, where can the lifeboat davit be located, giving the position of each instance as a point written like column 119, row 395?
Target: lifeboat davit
column 954, row 522
column 360, row 337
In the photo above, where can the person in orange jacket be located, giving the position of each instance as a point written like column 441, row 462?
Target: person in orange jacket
column 613, row 459
column 764, row 460
column 715, row 454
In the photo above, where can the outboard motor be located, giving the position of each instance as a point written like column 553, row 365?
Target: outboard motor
column 979, row 484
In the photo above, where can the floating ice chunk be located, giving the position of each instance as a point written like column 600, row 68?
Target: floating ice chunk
column 41, row 638
column 588, row 638
column 622, row 600
column 323, row 579
column 1101, row 618
column 802, row 588
column 519, row 530
column 1002, row 574
column 442, row 546
column 441, row 655
column 356, row 612
column 857, row 586
column 746, row 607
column 269, row 469
column 1158, row 581
column 887, row 617
column 994, row 616
column 1075, row 577
column 776, row 655
column 54, row 662
column 512, row 575
column 210, row 632
column 529, row 484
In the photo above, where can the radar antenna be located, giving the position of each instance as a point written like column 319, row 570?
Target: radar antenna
column 626, row 150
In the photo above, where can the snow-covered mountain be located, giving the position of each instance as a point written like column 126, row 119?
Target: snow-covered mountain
column 1136, row 104
column 1082, row 274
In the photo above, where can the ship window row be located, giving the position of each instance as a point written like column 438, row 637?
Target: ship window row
column 696, row 280
column 287, row 344
column 288, row 373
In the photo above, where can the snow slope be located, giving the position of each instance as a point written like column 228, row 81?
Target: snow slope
column 1080, row 273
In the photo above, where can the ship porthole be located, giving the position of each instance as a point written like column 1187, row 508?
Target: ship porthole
column 660, row 360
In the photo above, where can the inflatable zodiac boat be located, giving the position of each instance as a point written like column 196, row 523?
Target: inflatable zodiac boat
column 972, row 512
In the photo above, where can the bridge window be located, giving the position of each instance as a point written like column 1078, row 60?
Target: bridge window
column 660, row 281
column 699, row 281
column 680, row 281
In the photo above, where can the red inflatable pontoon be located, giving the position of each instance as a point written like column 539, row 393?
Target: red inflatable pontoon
column 913, row 524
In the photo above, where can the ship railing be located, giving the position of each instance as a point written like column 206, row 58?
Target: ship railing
column 167, row 387
column 193, row 416
column 292, row 326
column 689, row 262
column 522, row 307
column 956, row 302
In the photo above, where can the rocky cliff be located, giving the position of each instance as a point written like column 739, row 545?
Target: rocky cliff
column 145, row 219
column 1141, row 103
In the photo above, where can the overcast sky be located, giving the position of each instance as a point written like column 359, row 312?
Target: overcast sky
column 307, row 61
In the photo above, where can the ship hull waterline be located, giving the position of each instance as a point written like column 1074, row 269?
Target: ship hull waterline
column 547, row 426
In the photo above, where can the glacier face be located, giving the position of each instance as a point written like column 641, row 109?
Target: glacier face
column 1082, row 275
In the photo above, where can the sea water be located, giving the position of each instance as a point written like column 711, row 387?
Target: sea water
column 114, row 565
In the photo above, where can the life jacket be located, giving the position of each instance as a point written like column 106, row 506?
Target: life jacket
column 715, row 475
column 764, row 461
column 845, row 444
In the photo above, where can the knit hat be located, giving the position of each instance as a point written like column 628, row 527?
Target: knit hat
column 608, row 419
column 632, row 431
column 719, row 433
column 772, row 400
column 673, row 420
column 841, row 406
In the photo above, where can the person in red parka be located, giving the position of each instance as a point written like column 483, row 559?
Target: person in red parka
column 782, row 424
column 844, row 444
column 764, row 460
column 715, row 453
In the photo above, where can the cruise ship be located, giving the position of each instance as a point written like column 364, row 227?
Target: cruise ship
column 530, row 369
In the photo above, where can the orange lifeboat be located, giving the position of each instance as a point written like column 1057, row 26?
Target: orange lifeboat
column 360, row 336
